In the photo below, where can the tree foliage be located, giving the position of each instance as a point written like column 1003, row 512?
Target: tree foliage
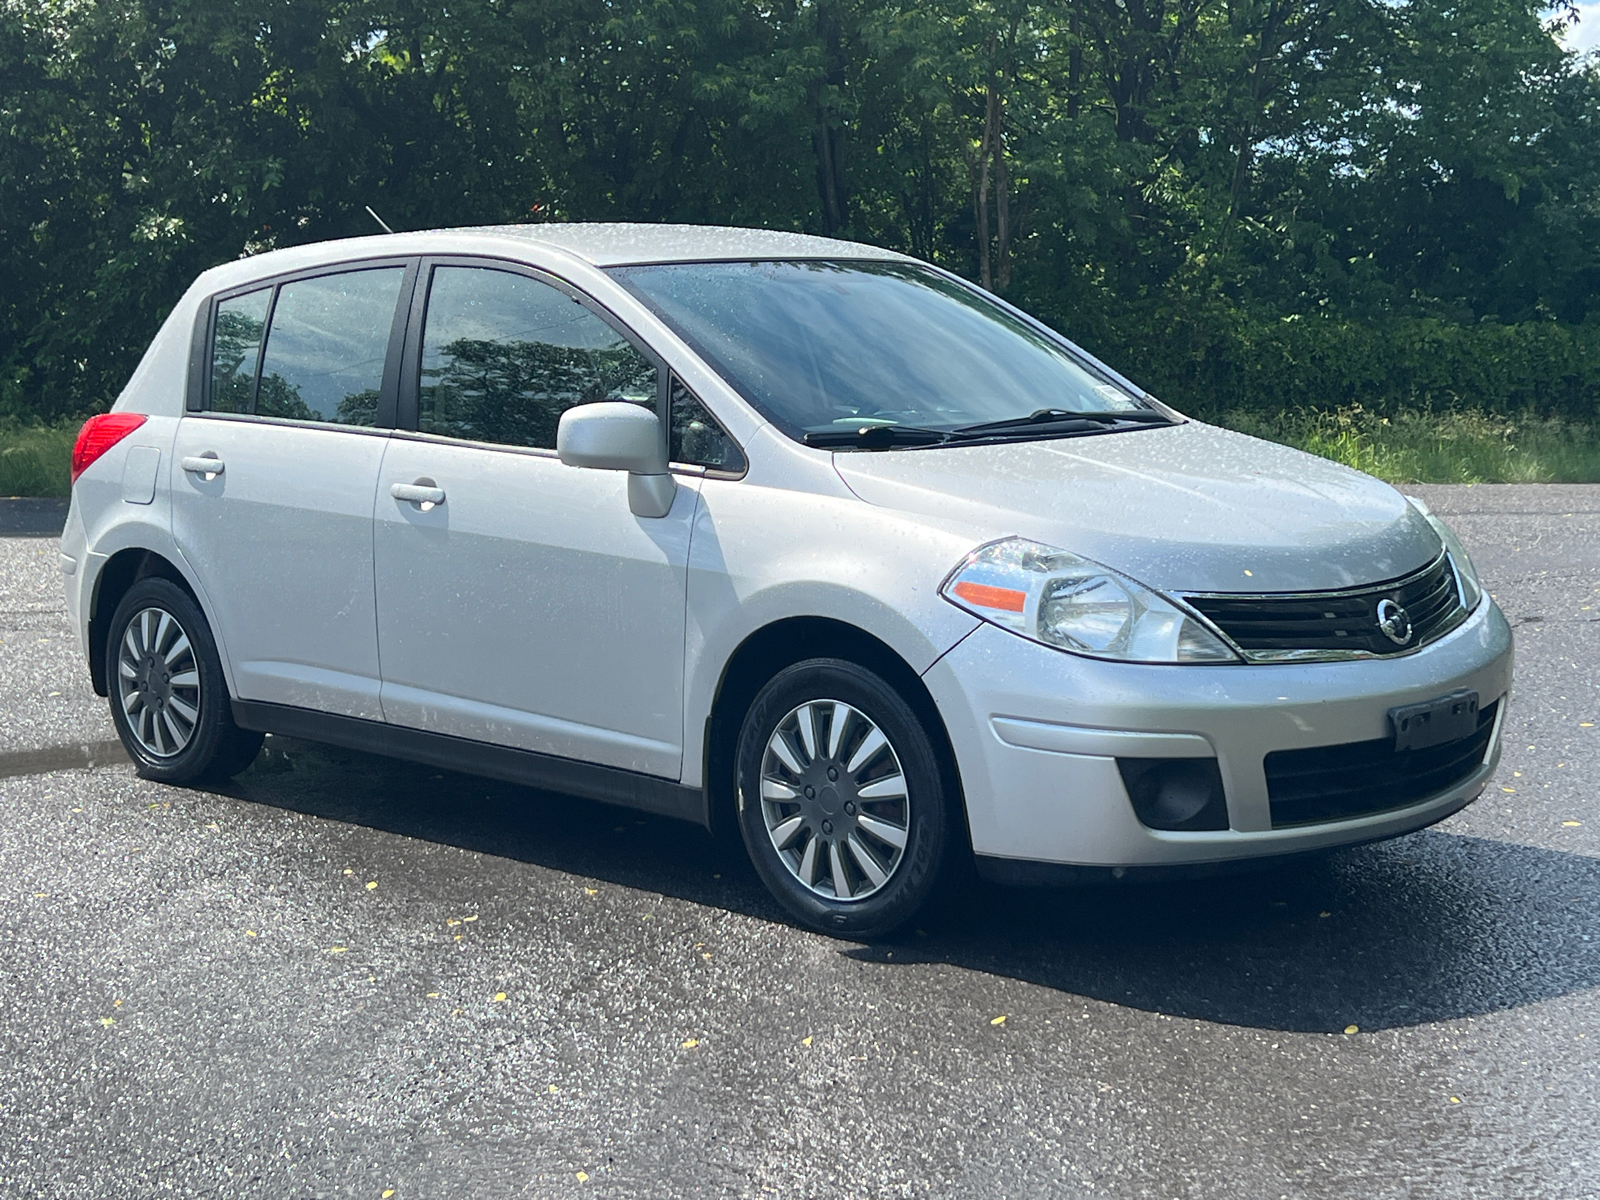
column 1240, row 202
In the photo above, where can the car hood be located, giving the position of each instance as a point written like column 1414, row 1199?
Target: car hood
column 1181, row 508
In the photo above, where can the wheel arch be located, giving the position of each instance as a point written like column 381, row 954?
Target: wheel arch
column 782, row 643
column 121, row 571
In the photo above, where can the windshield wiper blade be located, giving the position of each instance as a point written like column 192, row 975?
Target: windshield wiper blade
column 1063, row 416
column 875, row 437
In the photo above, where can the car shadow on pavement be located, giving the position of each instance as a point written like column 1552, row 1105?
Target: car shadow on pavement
column 1430, row 927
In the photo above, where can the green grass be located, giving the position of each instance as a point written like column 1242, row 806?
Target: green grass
column 36, row 460
column 1447, row 447
column 1409, row 447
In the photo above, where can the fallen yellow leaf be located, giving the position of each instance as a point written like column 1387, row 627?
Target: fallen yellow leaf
column 387, row 1192
column 1352, row 1029
column 554, row 1089
column 1324, row 914
column 1585, row 724
column 116, row 1004
column 1506, row 789
column 108, row 1021
column 337, row 949
column 474, row 917
column 806, row 1041
column 1000, row 1020
column 706, row 955
column 689, row 1043
column 251, row 933
column 583, row 1177
column 348, row 871
column 591, row 891
column 451, row 921
column 1572, row 824
column 372, row 885
column 1455, row 1099
column 499, row 996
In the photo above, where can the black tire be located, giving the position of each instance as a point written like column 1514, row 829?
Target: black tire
column 840, row 810
column 186, row 695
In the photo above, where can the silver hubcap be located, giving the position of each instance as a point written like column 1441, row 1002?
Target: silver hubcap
column 158, row 681
column 834, row 800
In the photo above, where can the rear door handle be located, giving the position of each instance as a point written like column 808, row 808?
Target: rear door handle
column 207, row 464
column 423, row 493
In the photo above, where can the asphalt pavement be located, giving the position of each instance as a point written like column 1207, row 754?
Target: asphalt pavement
column 347, row 977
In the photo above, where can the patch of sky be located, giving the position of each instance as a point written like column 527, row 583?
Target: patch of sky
column 1581, row 32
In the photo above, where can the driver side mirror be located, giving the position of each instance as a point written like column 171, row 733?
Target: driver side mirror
column 617, row 436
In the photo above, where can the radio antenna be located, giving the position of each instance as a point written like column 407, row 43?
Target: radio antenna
column 381, row 223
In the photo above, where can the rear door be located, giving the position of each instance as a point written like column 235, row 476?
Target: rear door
column 527, row 606
column 273, row 480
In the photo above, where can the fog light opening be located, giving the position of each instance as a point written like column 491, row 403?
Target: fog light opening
column 1179, row 794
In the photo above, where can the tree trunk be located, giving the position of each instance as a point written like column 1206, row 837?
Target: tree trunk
column 828, row 142
column 1074, row 64
column 827, row 138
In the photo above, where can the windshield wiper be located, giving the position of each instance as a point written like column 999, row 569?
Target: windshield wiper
column 875, row 437
column 1046, row 417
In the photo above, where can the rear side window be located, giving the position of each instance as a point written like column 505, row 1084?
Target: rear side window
column 308, row 350
column 326, row 347
column 503, row 356
column 240, row 323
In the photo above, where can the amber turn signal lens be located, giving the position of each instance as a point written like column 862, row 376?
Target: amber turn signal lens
column 985, row 596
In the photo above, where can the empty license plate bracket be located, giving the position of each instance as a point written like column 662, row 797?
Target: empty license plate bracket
column 1434, row 722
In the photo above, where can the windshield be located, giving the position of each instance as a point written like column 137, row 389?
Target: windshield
column 829, row 346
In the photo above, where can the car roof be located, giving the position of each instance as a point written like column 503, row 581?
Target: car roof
column 613, row 244
column 595, row 244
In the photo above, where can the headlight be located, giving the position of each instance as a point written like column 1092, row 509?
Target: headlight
column 1466, row 574
column 1073, row 604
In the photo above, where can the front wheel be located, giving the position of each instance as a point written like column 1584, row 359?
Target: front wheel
column 842, row 803
column 169, row 700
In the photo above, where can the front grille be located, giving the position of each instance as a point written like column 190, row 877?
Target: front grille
column 1334, row 783
column 1278, row 627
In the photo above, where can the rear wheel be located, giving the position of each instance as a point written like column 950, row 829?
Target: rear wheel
column 842, row 804
column 169, row 701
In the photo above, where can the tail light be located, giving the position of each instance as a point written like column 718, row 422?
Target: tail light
column 98, row 435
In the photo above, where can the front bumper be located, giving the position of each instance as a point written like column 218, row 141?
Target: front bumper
column 1037, row 733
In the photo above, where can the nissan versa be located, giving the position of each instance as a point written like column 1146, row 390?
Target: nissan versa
column 767, row 530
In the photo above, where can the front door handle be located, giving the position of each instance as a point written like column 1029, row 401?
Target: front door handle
column 423, row 493
column 207, row 464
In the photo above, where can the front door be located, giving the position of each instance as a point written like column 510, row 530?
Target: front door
column 527, row 605
column 279, row 532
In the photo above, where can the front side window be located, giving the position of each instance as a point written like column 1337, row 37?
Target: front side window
column 820, row 346
column 326, row 347
column 236, row 352
column 503, row 356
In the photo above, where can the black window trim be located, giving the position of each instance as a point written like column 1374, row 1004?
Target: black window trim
column 198, row 400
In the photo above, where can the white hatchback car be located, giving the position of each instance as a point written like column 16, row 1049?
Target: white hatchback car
column 764, row 529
